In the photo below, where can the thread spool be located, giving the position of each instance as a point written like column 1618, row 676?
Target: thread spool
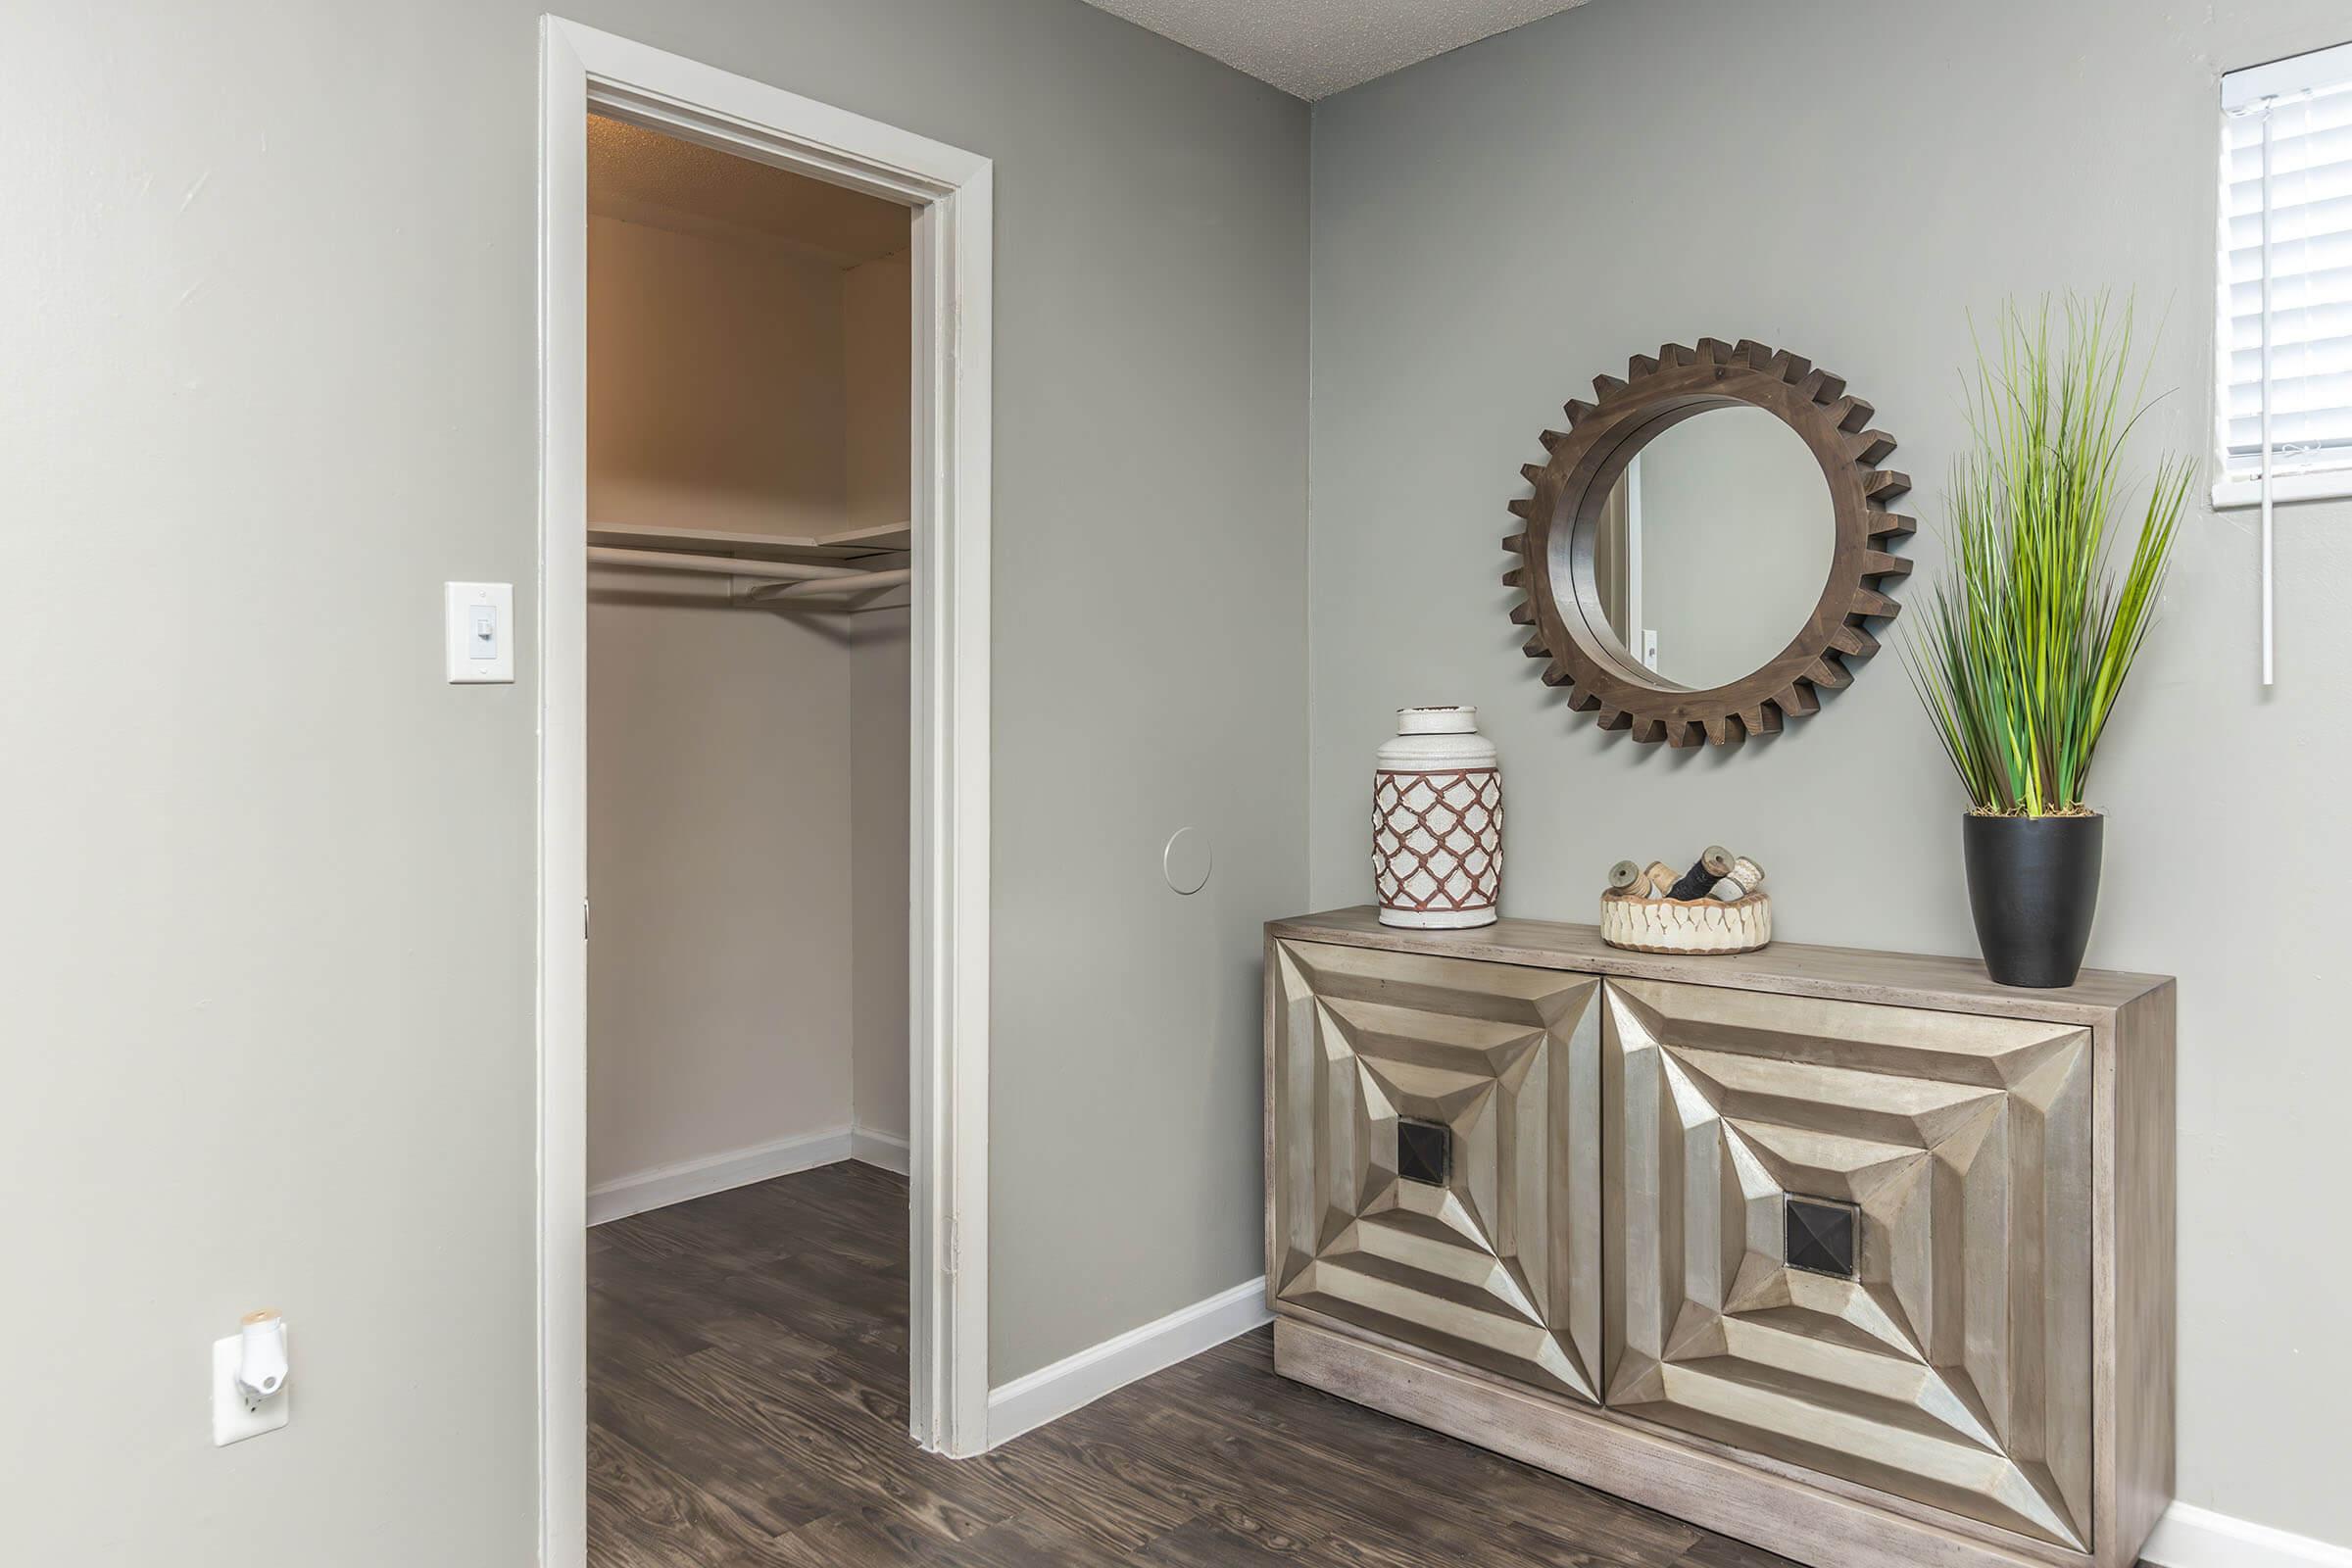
column 1705, row 871
column 1657, row 879
column 1623, row 875
column 1747, row 873
column 1727, row 891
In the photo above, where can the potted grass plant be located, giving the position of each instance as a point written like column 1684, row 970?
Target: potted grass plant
column 2034, row 621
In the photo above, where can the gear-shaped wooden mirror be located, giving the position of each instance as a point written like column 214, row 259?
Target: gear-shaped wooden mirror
column 1707, row 544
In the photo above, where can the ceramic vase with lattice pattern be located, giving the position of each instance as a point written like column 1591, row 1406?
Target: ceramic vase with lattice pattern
column 1437, row 822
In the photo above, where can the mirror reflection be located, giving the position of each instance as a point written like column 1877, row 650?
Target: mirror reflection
column 1714, row 547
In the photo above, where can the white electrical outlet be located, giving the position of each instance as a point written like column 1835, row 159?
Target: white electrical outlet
column 234, row 1419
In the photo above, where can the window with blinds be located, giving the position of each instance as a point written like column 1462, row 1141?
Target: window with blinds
column 2285, row 294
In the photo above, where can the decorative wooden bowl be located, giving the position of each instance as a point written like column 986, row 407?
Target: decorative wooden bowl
column 1685, row 925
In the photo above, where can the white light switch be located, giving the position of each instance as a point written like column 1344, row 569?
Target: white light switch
column 481, row 632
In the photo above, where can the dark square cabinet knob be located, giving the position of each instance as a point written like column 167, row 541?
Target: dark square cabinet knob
column 1823, row 1236
column 1424, row 1151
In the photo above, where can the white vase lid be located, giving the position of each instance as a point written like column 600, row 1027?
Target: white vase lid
column 1436, row 721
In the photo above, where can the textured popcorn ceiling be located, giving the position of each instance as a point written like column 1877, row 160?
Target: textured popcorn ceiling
column 1313, row 48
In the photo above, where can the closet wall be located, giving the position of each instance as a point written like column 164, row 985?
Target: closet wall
column 877, row 307
column 749, row 890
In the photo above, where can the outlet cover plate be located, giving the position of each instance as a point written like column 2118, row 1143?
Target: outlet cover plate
column 233, row 1420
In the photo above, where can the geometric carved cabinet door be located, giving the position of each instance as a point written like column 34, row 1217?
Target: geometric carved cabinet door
column 1855, row 1239
column 1437, row 1171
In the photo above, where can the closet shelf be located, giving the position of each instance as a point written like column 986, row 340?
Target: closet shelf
column 845, row 542
column 866, row 578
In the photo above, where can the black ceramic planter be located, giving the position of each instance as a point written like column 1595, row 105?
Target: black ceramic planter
column 2033, row 884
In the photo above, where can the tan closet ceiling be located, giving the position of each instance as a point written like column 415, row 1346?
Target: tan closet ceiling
column 643, row 176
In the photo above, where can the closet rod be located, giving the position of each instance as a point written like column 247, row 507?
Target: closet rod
column 862, row 582
column 722, row 566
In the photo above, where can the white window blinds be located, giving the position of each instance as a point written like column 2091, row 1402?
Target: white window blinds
column 2286, row 275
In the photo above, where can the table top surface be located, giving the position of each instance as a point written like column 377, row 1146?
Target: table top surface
column 1907, row 979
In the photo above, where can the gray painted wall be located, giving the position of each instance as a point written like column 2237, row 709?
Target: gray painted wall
column 268, row 897
column 1494, row 227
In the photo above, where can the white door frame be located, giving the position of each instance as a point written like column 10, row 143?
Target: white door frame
column 950, row 194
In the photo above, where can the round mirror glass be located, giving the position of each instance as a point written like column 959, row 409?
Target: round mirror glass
column 1714, row 547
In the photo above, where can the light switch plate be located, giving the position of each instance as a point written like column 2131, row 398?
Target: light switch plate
column 233, row 1420
column 478, row 629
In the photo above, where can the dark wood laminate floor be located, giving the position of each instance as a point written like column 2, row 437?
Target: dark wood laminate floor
column 747, row 1405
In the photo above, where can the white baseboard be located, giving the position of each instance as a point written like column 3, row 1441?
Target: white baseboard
column 1028, row 1402
column 699, row 1177
column 2188, row 1537
column 885, row 1151
column 665, row 1185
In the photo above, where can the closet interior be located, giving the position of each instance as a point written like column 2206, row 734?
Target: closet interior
column 749, row 420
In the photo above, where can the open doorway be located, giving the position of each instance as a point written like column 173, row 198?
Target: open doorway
column 763, row 630
column 749, row 411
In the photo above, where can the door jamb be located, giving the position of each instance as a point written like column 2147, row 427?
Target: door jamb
column 951, row 194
